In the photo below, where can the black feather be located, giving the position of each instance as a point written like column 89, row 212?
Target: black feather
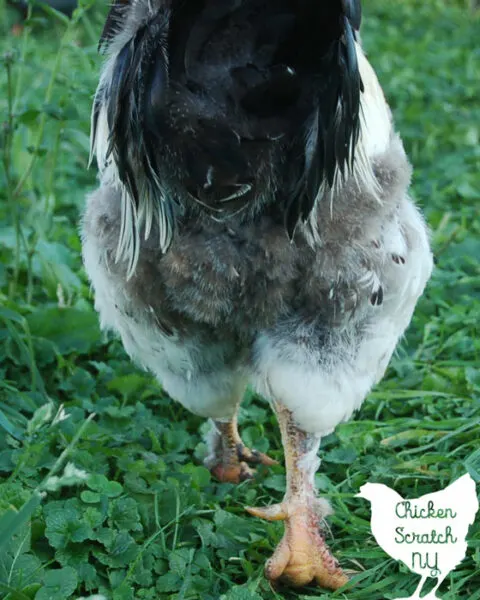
column 276, row 92
column 233, row 104
column 134, row 99
column 336, row 127
column 352, row 9
column 113, row 23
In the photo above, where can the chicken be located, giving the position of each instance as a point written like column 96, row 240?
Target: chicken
column 253, row 226
column 428, row 533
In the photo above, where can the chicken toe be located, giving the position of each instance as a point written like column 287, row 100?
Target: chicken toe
column 302, row 556
column 229, row 458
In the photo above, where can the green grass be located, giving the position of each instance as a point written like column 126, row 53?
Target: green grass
column 149, row 522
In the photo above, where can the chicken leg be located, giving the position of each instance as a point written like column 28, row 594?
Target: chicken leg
column 302, row 555
column 229, row 458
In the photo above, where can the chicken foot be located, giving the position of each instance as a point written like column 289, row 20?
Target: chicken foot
column 230, row 458
column 302, row 555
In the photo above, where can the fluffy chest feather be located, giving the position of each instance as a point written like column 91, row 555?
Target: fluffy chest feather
column 238, row 302
column 241, row 278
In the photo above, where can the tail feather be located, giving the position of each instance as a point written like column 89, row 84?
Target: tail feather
column 353, row 11
column 227, row 106
column 132, row 98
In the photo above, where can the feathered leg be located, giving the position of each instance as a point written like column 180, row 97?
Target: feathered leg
column 229, row 457
column 302, row 555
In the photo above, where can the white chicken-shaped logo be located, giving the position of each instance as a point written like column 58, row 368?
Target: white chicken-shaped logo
column 428, row 533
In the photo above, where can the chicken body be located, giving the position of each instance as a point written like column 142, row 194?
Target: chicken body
column 233, row 303
column 248, row 230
